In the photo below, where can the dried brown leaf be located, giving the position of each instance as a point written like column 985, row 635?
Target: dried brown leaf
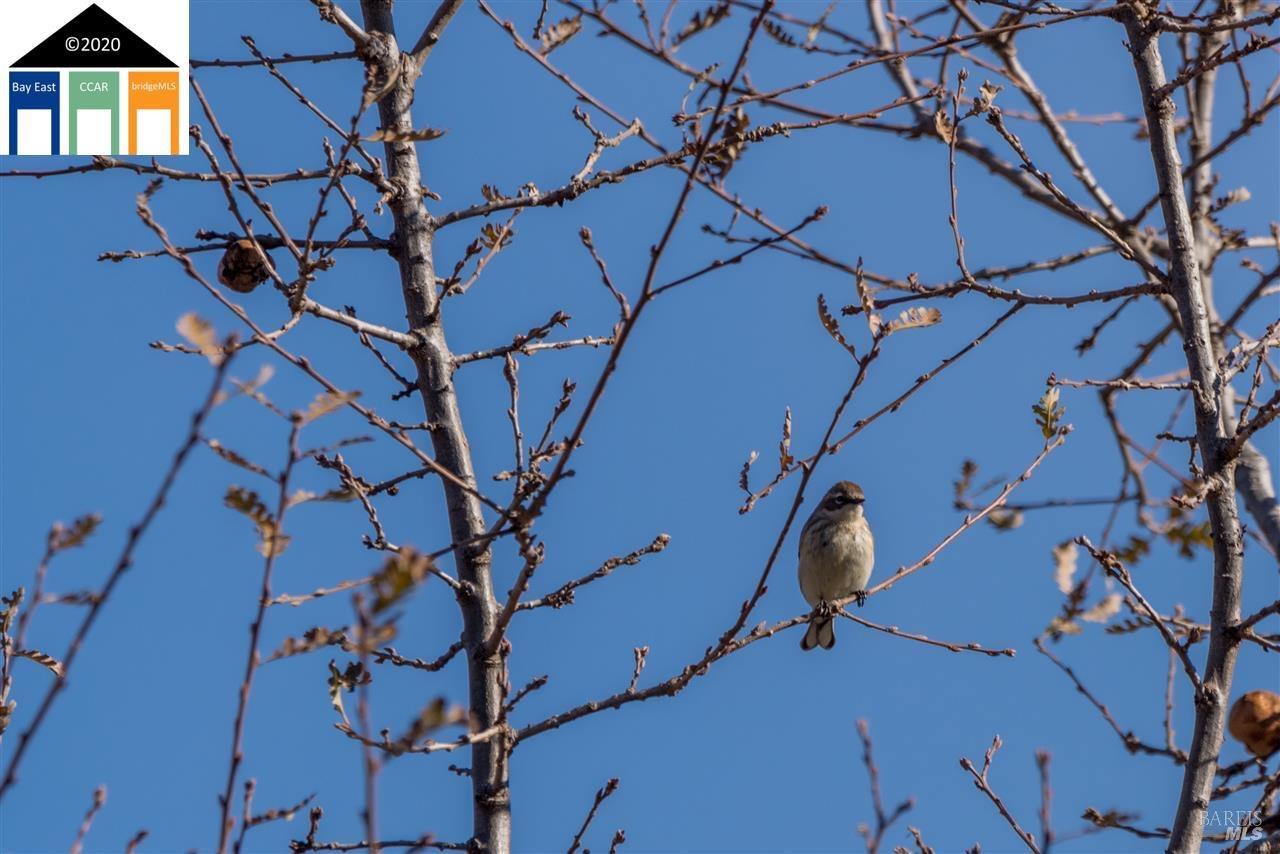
column 867, row 301
column 778, row 34
column 986, row 97
column 1104, row 610
column 303, row 496
column 270, row 539
column 914, row 318
column 1065, row 556
column 784, row 447
column 745, row 474
column 415, row 135
column 42, row 659
column 720, row 158
column 833, row 328
column 701, row 21
column 234, row 458
column 402, row 572
column 327, row 402
column 559, row 33
column 942, row 124
column 62, row 538
column 199, row 332
column 1059, row 626
column 345, row 680
column 493, row 235
column 815, row 29
column 1003, row 519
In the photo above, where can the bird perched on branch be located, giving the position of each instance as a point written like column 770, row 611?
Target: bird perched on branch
column 837, row 552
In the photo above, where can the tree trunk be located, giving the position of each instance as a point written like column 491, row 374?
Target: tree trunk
column 1228, row 548
column 1253, row 472
column 434, row 363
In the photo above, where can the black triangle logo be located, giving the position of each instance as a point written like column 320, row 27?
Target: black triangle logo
column 93, row 22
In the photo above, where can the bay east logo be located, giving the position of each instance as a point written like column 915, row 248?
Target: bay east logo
column 109, row 78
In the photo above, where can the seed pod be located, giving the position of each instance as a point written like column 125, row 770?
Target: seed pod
column 241, row 269
column 1255, row 722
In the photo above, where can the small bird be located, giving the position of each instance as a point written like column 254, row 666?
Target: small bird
column 837, row 552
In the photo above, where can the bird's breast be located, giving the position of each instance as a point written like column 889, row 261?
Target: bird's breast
column 835, row 561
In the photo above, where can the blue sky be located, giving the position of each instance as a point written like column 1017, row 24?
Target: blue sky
column 759, row 755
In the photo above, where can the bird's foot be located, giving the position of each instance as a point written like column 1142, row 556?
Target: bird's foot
column 825, row 609
column 860, row 596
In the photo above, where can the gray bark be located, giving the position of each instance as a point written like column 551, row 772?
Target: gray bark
column 1211, row 436
column 1267, row 845
column 1253, row 474
column 1253, row 480
column 434, row 363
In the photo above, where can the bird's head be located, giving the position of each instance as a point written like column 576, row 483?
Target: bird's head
column 844, row 500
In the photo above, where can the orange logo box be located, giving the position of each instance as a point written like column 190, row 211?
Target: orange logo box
column 153, row 112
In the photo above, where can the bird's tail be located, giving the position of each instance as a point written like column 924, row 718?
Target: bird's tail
column 821, row 632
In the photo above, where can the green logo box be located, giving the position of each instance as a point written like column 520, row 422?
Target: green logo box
column 93, row 102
